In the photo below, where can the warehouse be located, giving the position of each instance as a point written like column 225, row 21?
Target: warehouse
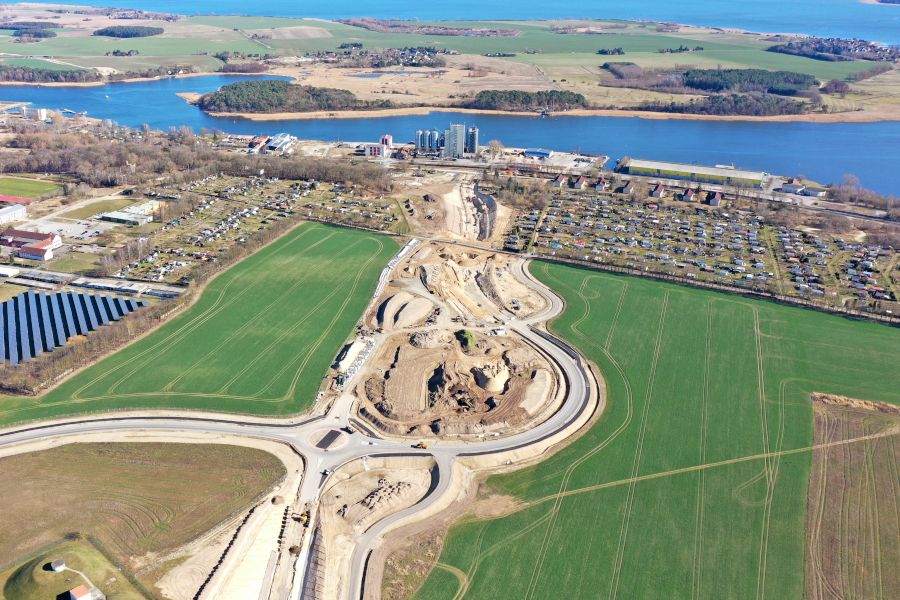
column 716, row 175
column 125, row 217
column 14, row 212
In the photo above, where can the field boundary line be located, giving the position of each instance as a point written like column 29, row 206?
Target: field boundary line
column 639, row 451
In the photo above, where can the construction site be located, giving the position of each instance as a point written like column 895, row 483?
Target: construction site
column 446, row 364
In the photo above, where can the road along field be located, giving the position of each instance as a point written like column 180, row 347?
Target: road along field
column 258, row 341
column 127, row 503
column 693, row 483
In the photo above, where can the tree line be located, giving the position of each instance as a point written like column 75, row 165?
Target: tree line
column 753, row 105
column 785, row 83
column 521, row 101
column 31, row 75
column 100, row 162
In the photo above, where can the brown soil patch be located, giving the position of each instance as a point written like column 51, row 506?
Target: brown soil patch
column 852, row 520
column 407, row 569
column 494, row 506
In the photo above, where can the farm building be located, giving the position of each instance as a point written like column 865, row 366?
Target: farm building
column 14, row 212
column 85, row 592
column 715, row 175
column 33, row 323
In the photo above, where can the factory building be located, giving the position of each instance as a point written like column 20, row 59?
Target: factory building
column 723, row 175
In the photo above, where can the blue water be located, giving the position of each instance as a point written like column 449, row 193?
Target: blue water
column 822, row 151
column 842, row 18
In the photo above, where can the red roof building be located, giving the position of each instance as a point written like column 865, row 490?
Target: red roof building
column 15, row 199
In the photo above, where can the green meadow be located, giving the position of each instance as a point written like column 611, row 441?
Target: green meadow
column 258, row 340
column 26, row 188
column 693, row 481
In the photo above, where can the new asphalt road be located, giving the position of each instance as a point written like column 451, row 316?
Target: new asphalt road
column 578, row 385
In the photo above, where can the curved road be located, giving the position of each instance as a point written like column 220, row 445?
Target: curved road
column 580, row 400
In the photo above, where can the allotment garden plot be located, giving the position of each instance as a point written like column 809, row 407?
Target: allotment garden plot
column 259, row 339
column 693, row 484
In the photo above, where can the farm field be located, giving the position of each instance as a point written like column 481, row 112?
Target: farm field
column 258, row 341
column 124, row 502
column 27, row 188
column 693, row 483
column 537, row 43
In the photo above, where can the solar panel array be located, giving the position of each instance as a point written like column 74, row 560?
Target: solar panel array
column 35, row 322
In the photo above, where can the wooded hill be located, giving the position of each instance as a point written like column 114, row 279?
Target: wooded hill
column 267, row 96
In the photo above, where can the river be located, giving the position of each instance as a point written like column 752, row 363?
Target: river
column 824, row 152
column 841, row 18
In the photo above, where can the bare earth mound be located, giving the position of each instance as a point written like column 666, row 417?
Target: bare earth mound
column 441, row 382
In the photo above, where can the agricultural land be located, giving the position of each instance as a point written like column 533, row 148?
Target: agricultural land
column 120, row 512
column 693, row 483
column 397, row 64
column 267, row 329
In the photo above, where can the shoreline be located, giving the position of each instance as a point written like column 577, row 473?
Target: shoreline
column 845, row 117
column 102, row 82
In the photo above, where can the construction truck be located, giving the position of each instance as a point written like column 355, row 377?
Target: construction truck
column 421, row 445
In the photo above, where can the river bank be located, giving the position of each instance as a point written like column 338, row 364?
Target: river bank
column 822, row 151
column 861, row 116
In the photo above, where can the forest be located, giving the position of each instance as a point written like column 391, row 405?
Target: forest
column 128, row 31
column 751, row 105
column 785, row 83
column 30, row 75
column 518, row 100
column 265, row 96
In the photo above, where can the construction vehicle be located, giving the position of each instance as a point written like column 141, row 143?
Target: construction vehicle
column 421, row 445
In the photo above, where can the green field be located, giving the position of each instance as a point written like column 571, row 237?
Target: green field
column 693, row 483
column 258, row 341
column 95, row 208
column 27, row 188
column 36, row 63
column 32, row 581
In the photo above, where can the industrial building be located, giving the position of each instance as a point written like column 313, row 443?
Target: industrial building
column 32, row 245
column 537, row 153
column 137, row 215
column 35, row 322
column 13, row 212
column 282, row 143
column 716, row 175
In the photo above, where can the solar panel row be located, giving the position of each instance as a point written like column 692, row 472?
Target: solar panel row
column 35, row 322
